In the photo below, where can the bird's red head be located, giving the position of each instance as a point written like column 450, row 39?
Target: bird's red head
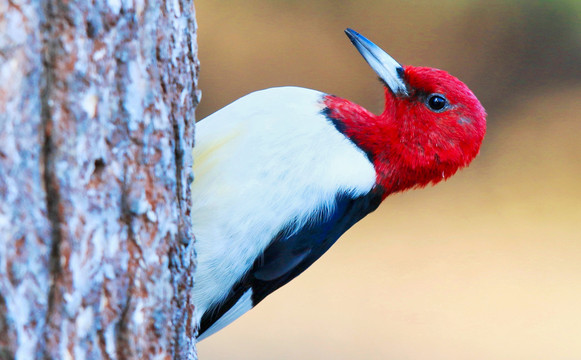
column 434, row 130
column 432, row 124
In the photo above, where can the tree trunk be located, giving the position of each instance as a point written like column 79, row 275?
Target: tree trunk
column 97, row 105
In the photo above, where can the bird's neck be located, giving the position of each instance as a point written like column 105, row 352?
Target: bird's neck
column 379, row 137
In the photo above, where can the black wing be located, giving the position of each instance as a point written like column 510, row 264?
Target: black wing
column 292, row 251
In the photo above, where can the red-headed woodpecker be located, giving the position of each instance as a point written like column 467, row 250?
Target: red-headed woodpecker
column 282, row 173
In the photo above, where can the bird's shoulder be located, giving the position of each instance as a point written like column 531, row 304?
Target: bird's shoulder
column 275, row 101
column 284, row 132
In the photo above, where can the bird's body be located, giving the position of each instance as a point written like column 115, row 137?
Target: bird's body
column 282, row 173
column 297, row 187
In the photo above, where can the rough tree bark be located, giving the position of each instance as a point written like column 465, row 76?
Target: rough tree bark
column 97, row 104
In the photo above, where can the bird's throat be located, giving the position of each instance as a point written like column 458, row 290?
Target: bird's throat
column 397, row 167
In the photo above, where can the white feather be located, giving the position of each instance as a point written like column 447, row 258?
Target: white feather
column 242, row 305
column 262, row 162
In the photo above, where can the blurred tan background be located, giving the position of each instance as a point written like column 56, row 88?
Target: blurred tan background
column 485, row 266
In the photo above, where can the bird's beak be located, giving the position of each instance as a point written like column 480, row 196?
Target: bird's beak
column 389, row 70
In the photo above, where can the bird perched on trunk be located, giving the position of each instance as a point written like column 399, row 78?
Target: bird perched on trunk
column 282, row 173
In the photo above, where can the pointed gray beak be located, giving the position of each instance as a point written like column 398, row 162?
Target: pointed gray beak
column 389, row 70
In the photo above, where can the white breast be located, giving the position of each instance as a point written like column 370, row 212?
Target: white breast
column 262, row 162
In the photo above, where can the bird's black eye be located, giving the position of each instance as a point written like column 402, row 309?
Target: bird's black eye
column 437, row 102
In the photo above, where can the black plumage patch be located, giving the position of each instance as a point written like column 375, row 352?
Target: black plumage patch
column 293, row 250
column 341, row 127
column 337, row 123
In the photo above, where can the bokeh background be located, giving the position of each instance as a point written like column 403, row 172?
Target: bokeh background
column 484, row 266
